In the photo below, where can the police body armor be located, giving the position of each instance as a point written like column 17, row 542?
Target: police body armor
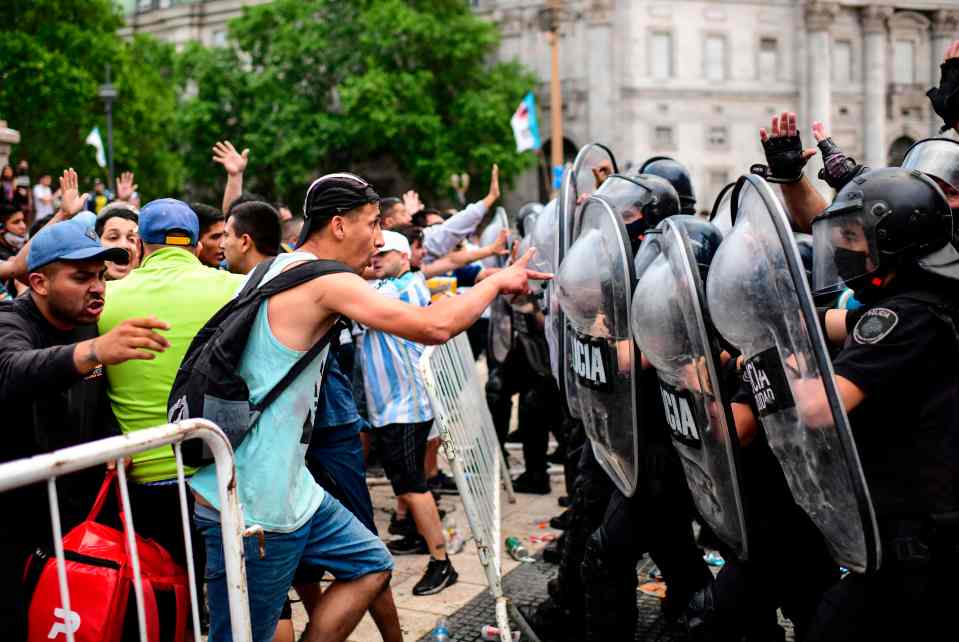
column 594, row 287
column 500, row 336
column 761, row 303
column 593, row 162
column 672, row 329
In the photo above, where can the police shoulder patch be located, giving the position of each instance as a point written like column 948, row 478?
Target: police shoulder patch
column 875, row 325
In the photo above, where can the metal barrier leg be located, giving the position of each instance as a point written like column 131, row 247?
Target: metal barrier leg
column 187, row 541
column 132, row 548
column 61, row 562
column 522, row 623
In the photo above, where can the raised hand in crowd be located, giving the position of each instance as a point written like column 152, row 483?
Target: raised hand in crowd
column 412, row 202
column 234, row 163
column 71, row 200
column 459, row 258
column 493, row 195
column 125, row 187
column 131, row 339
column 945, row 97
column 838, row 169
column 785, row 154
column 786, row 157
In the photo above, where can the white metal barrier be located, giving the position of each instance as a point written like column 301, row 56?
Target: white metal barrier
column 49, row 466
column 473, row 450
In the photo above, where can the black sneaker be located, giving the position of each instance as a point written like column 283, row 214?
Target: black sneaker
column 564, row 501
column 443, row 484
column 404, row 527
column 532, row 484
column 409, row 545
column 439, row 574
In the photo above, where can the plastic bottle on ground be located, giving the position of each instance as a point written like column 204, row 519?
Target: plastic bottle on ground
column 491, row 633
column 441, row 632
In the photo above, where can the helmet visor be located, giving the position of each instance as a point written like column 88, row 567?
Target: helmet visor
column 627, row 197
column 939, row 159
column 844, row 248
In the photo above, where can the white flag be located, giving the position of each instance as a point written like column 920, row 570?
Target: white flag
column 93, row 138
column 525, row 128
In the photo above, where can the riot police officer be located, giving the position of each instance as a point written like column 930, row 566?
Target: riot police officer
column 889, row 236
column 677, row 175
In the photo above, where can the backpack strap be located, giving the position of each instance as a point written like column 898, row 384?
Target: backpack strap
column 256, row 277
column 284, row 281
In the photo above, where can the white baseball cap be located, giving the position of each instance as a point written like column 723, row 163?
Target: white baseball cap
column 394, row 241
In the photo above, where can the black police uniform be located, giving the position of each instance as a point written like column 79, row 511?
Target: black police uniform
column 609, row 563
column 903, row 353
column 539, row 404
column 747, row 594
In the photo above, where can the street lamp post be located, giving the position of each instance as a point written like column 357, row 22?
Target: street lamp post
column 108, row 94
column 549, row 19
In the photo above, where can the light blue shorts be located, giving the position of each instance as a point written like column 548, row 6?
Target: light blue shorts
column 333, row 539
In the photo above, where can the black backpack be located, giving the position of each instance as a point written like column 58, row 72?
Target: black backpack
column 208, row 385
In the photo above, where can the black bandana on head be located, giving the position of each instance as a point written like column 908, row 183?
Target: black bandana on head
column 331, row 195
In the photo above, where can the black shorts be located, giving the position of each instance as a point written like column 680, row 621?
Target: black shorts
column 403, row 449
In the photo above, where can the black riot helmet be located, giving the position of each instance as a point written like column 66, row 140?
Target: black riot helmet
column 677, row 175
column 704, row 239
column 883, row 219
column 641, row 201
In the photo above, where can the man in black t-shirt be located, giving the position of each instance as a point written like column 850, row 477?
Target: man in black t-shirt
column 52, row 388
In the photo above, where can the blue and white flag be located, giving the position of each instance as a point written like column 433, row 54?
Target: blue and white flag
column 93, row 138
column 525, row 129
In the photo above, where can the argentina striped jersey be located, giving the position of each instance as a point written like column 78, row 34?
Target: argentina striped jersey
column 395, row 392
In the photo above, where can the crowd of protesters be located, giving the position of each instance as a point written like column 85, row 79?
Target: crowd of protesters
column 102, row 299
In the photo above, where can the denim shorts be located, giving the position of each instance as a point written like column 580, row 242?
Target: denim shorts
column 333, row 539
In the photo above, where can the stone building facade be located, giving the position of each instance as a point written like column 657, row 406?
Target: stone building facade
column 183, row 21
column 696, row 79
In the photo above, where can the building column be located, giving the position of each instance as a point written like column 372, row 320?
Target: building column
column 819, row 18
column 8, row 138
column 874, row 84
column 601, row 105
column 945, row 29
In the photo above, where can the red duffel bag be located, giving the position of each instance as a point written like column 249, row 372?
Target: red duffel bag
column 100, row 579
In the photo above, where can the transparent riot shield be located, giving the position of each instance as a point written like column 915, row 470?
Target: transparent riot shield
column 593, row 164
column 761, row 303
column 721, row 215
column 500, row 334
column 499, row 221
column 670, row 326
column 594, row 289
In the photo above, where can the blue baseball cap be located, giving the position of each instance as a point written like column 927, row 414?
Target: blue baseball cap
column 160, row 220
column 73, row 240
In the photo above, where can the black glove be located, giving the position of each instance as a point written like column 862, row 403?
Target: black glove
column 786, row 162
column 945, row 97
column 838, row 169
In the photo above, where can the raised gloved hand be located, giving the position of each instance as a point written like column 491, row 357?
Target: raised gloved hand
column 785, row 155
column 838, row 169
column 945, row 97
